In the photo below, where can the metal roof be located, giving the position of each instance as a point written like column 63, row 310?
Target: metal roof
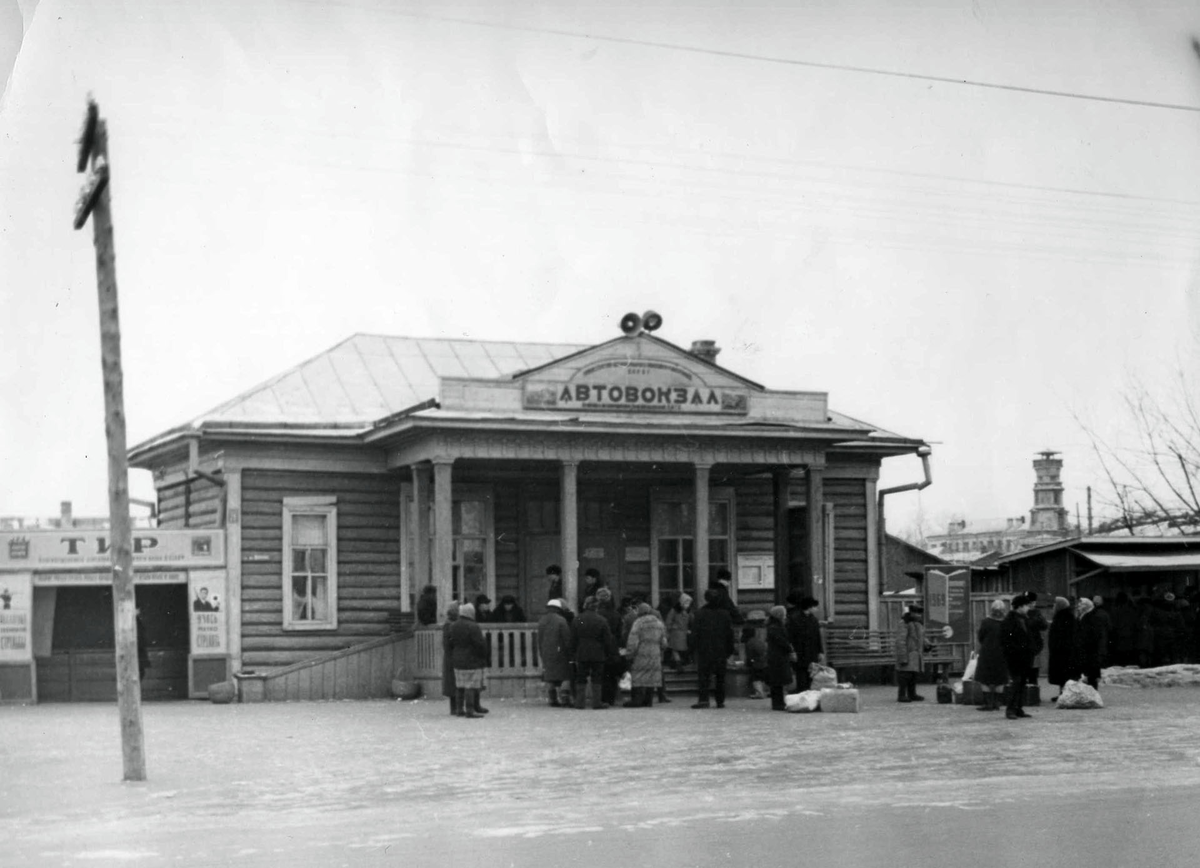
column 367, row 377
column 1125, row 563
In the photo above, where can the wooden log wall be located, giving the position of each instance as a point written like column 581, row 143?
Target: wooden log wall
column 196, row 503
column 849, row 499
column 755, row 520
column 368, row 563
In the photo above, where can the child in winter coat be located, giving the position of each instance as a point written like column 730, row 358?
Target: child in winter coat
column 755, row 649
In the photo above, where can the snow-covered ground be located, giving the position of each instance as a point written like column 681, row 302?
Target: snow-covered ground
column 386, row 782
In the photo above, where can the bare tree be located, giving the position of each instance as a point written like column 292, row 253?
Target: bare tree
column 1153, row 472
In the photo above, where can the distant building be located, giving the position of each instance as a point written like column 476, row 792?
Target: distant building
column 965, row 542
column 67, row 520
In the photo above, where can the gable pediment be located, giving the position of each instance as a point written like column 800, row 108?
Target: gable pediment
column 635, row 374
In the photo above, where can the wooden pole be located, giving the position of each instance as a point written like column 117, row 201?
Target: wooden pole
column 129, row 699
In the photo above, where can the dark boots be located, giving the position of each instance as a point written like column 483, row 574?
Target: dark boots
column 460, row 703
column 662, row 695
column 991, row 701
column 454, row 706
column 479, row 709
column 907, row 687
column 640, row 697
column 470, row 698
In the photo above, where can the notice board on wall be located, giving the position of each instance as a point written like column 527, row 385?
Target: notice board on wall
column 947, row 603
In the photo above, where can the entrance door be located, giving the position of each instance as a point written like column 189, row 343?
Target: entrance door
column 82, row 663
column 602, row 551
column 541, row 550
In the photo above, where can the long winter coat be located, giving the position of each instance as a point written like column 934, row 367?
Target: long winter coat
column 712, row 634
column 804, row 632
column 468, row 648
column 643, row 648
column 1017, row 643
column 678, row 624
column 910, row 645
column 1062, row 646
column 591, row 638
column 1089, row 646
column 554, row 641
column 779, row 655
column 990, row 669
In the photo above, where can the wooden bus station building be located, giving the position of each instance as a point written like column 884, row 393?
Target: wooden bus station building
column 351, row 481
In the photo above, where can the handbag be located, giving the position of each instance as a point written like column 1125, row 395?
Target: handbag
column 969, row 672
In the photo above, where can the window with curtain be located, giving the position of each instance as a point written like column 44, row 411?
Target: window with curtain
column 309, row 565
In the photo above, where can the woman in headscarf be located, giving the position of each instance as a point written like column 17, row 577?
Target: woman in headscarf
column 1061, row 641
column 779, row 656
column 991, row 673
column 679, row 622
column 1089, row 639
column 643, row 649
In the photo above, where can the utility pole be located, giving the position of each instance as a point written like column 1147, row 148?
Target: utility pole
column 94, row 201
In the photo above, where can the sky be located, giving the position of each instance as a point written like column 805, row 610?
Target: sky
column 970, row 222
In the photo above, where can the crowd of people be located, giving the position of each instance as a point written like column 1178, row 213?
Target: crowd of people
column 586, row 653
column 1083, row 637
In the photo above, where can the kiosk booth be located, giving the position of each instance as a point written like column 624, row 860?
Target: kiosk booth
column 56, row 614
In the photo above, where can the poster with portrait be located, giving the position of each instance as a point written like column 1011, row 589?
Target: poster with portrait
column 947, row 603
column 206, row 611
column 16, row 610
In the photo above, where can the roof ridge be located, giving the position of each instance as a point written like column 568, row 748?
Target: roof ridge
column 465, row 340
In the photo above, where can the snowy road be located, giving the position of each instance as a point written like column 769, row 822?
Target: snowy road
column 389, row 783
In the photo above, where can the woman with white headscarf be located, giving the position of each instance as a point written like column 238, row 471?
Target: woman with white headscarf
column 1089, row 639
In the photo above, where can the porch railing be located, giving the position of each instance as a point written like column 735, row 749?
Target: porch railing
column 513, row 650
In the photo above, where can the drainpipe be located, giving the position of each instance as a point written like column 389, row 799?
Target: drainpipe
column 923, row 452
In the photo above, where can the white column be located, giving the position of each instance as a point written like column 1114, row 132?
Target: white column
column 700, row 534
column 443, row 532
column 420, row 532
column 569, row 529
column 233, row 567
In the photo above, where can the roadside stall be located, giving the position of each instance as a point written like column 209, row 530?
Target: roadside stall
column 56, row 614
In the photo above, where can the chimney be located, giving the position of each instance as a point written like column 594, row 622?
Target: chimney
column 706, row 350
column 64, row 511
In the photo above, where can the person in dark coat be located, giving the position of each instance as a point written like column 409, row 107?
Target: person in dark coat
column 427, row 606
column 554, row 583
column 449, row 688
column 469, row 653
column 1038, row 626
column 1124, row 631
column 1062, row 644
column 779, row 656
column 483, row 609
column 724, row 584
column 1017, row 644
column 554, row 642
column 143, row 645
column 507, row 612
column 592, row 644
column 1104, row 619
column 614, row 667
column 991, row 673
column 712, row 644
column 592, row 582
column 1089, row 643
column 804, row 632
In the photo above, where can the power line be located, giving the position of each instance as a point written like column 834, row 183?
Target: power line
column 788, row 61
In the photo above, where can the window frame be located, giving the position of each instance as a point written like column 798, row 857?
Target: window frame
column 675, row 494
column 325, row 506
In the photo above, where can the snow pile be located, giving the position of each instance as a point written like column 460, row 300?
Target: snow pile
column 1179, row 675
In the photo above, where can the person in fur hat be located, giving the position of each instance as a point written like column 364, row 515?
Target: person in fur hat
column 1017, row 645
column 679, row 624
